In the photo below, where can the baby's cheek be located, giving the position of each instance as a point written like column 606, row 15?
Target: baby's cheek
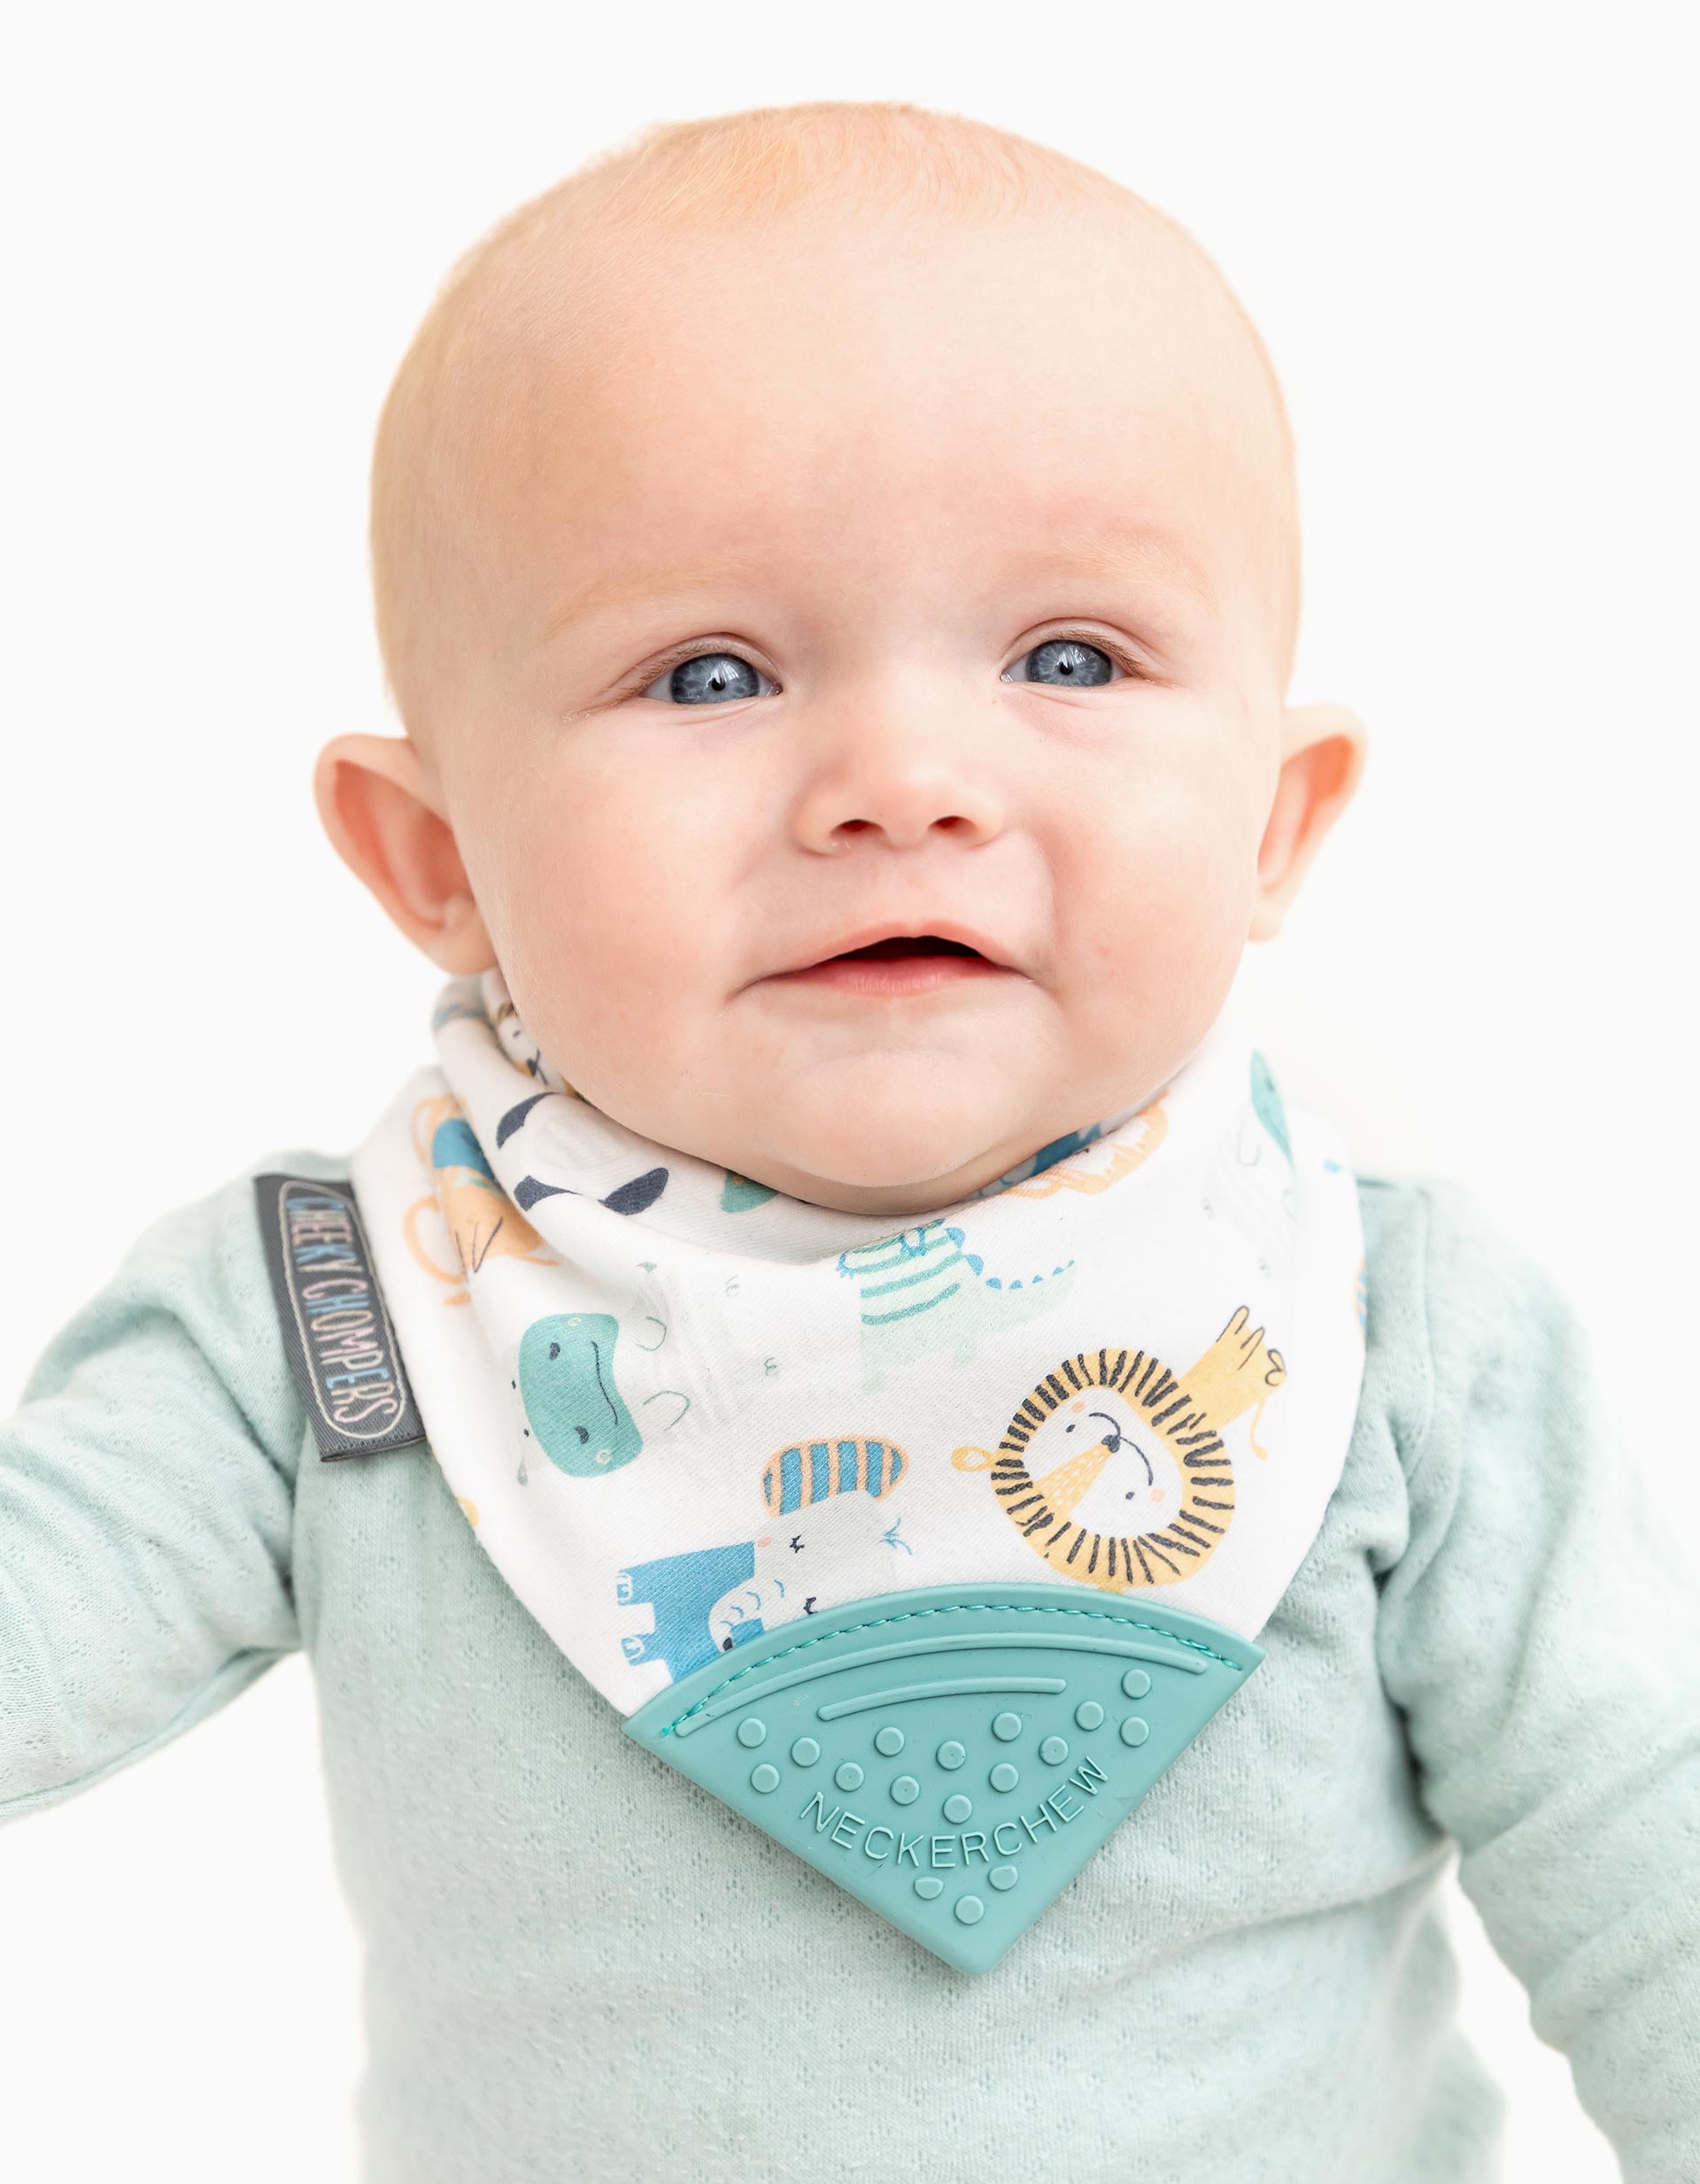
column 1173, row 873
column 580, row 878
column 607, row 954
column 1157, row 925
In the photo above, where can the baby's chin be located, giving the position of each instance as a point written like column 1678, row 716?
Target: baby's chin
column 907, row 1161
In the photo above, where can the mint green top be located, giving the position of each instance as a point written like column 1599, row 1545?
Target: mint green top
column 581, row 1963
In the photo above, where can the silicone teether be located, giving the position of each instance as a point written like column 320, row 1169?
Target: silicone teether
column 952, row 1754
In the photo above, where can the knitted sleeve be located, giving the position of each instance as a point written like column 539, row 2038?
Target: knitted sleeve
column 1540, row 1633
column 146, row 1508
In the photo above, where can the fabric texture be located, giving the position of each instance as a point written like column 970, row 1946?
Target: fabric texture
column 681, row 1408
column 579, row 1963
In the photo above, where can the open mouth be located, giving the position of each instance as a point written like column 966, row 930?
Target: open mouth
column 902, row 963
column 905, row 944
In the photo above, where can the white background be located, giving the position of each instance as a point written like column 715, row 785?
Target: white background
column 1467, row 235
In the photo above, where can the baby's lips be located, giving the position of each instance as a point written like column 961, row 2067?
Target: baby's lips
column 934, row 928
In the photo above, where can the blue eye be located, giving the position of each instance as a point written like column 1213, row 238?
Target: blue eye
column 1069, row 663
column 710, row 678
column 706, row 679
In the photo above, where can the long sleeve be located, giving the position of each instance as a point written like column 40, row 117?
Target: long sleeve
column 146, row 1508
column 1540, row 1633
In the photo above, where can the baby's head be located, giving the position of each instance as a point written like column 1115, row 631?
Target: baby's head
column 827, row 521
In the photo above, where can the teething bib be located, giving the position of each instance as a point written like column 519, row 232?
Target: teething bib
column 929, row 1544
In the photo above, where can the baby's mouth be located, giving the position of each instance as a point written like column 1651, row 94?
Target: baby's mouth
column 902, row 963
column 904, row 944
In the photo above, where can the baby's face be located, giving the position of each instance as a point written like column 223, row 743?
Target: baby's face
column 870, row 577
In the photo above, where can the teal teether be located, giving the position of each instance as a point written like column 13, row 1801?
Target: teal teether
column 952, row 1754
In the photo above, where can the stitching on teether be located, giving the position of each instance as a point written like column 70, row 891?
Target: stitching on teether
column 967, row 1607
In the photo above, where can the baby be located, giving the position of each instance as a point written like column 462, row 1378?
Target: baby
column 1146, row 1549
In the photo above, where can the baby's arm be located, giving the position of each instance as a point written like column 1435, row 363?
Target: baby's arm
column 1541, row 1633
column 147, row 1496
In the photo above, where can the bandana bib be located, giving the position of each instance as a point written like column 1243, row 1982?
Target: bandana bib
column 927, row 1544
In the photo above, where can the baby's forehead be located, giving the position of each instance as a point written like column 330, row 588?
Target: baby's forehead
column 998, row 366
column 1107, row 312
column 1029, row 373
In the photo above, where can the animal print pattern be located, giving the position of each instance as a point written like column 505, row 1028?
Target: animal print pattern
column 685, row 1409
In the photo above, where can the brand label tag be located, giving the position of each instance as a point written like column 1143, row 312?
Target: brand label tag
column 336, row 1330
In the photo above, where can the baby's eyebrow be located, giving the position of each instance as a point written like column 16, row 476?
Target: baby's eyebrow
column 1122, row 551
column 1127, row 553
column 639, row 588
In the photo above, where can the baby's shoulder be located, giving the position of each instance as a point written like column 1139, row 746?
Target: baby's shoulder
column 187, row 1322
column 1457, row 1310
column 198, row 1271
column 1433, row 1239
column 217, row 1239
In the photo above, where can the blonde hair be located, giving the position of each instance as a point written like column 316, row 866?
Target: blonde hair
column 502, row 309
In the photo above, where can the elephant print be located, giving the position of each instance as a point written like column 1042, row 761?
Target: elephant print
column 710, row 1600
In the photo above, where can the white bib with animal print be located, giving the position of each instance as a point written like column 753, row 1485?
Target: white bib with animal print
column 679, row 1408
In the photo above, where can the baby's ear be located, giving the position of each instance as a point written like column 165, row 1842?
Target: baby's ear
column 1322, row 751
column 382, row 810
